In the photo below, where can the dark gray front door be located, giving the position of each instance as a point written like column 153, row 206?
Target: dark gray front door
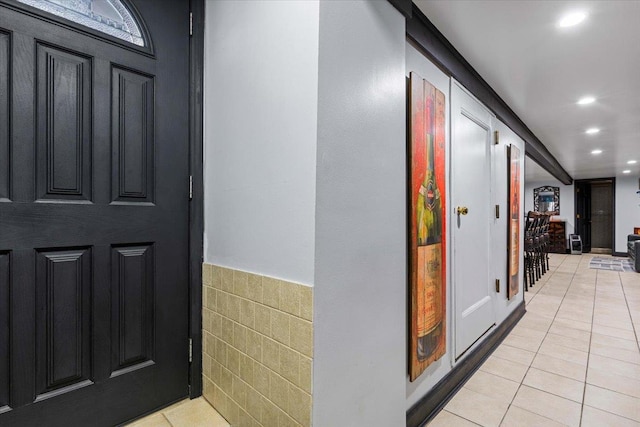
column 93, row 216
column 583, row 213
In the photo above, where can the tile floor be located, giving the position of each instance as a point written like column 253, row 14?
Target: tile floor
column 187, row 413
column 572, row 360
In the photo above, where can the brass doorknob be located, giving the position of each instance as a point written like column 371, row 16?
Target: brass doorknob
column 462, row 210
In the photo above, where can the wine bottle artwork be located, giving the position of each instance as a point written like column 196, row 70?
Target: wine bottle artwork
column 428, row 243
column 514, row 222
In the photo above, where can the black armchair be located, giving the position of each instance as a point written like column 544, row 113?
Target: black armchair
column 633, row 249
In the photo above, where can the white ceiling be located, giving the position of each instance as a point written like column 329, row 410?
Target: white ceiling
column 541, row 71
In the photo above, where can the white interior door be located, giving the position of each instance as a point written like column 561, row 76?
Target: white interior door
column 471, row 189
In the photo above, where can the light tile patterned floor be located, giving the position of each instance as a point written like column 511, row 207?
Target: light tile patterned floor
column 188, row 413
column 572, row 360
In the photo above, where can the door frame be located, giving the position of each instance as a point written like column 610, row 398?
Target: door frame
column 613, row 206
column 474, row 116
column 196, row 204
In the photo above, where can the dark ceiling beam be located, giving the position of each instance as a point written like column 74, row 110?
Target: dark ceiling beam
column 435, row 46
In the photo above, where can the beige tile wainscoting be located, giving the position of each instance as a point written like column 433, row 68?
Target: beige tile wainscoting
column 257, row 348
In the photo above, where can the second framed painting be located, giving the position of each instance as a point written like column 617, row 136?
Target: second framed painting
column 513, row 275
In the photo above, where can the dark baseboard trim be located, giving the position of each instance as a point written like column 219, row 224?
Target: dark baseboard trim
column 622, row 254
column 444, row 55
column 431, row 403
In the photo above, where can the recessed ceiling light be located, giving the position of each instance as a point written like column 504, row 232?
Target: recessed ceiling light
column 592, row 131
column 571, row 19
column 586, row 100
column 632, row 162
column 596, row 152
column 626, row 171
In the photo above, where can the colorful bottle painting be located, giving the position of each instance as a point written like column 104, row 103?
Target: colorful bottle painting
column 428, row 225
column 514, row 221
column 429, row 213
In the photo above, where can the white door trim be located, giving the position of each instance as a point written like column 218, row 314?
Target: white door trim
column 465, row 104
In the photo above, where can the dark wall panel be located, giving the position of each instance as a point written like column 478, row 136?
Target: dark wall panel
column 132, row 305
column 5, row 153
column 64, row 124
column 63, row 319
column 602, row 215
column 132, row 133
column 4, row 328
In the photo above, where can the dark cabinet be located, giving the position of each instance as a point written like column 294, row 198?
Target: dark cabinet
column 557, row 237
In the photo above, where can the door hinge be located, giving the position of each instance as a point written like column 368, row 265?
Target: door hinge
column 498, row 285
column 497, row 211
column 190, row 350
column 190, row 187
column 496, row 139
column 190, row 23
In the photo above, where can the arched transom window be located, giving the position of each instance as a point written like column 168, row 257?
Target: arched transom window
column 107, row 16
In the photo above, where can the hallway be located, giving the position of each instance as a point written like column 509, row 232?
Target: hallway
column 573, row 359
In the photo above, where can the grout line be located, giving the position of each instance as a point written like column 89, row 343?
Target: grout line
column 586, row 374
column 298, row 316
column 633, row 326
column 613, row 413
column 613, row 391
column 259, row 333
column 545, row 336
column 577, row 266
column 588, row 290
column 167, row 419
column 458, row 415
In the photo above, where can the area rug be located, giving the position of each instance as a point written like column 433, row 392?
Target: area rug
column 612, row 264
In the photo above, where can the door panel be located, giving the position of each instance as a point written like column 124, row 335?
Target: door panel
column 63, row 319
column 5, row 173
column 132, row 310
column 94, row 219
column 471, row 188
column 132, row 133
column 601, row 215
column 63, row 118
column 583, row 213
column 4, row 329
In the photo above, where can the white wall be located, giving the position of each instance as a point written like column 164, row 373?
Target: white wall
column 361, row 261
column 567, row 202
column 261, row 95
column 416, row 61
column 305, row 179
column 627, row 209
